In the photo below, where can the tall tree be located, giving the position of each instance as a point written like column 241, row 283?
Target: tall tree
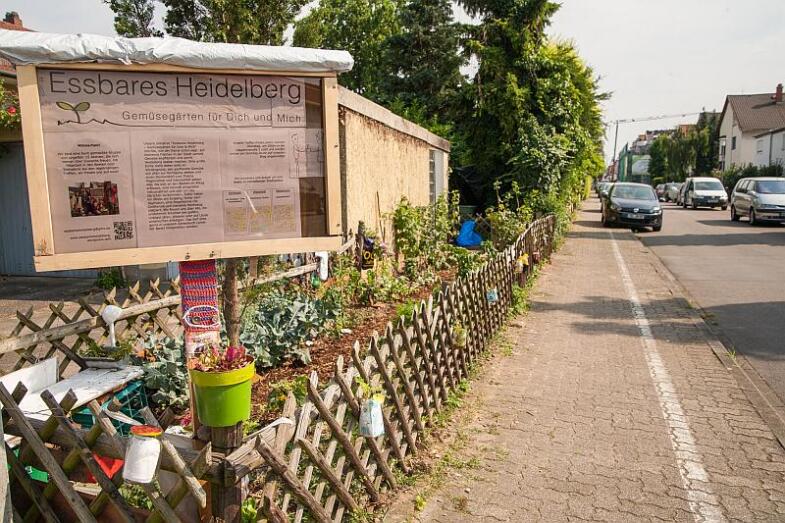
column 658, row 165
column 422, row 64
column 707, row 146
column 134, row 18
column 359, row 26
column 231, row 21
column 531, row 114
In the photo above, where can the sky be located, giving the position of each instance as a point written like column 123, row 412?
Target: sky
column 660, row 57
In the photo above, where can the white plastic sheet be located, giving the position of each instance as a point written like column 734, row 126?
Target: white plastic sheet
column 22, row 47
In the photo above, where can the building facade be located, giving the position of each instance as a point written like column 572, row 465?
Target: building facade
column 744, row 123
column 770, row 148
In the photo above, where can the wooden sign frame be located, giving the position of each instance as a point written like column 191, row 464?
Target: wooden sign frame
column 47, row 259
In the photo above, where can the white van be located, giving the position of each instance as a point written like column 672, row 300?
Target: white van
column 704, row 192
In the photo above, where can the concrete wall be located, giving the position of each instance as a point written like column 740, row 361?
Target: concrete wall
column 384, row 157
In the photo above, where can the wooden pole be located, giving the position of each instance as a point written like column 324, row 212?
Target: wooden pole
column 231, row 301
column 227, row 500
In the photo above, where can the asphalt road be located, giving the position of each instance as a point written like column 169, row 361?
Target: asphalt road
column 736, row 273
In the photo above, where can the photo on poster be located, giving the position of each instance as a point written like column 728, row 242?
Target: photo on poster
column 93, row 199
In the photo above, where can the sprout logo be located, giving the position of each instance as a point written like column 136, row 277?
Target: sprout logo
column 76, row 109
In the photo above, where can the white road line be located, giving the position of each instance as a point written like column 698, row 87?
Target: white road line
column 703, row 502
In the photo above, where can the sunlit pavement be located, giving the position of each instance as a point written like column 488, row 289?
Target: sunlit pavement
column 736, row 273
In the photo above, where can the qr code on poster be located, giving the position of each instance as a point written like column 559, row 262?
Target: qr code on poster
column 123, row 230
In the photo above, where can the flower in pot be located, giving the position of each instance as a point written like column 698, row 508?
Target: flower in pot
column 222, row 385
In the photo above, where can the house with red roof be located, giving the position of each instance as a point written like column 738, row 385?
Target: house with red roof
column 746, row 122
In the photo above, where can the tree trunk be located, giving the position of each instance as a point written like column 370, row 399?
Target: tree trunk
column 231, row 302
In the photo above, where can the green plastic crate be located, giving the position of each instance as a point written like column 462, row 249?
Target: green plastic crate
column 132, row 400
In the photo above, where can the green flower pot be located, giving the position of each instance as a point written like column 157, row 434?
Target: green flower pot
column 223, row 398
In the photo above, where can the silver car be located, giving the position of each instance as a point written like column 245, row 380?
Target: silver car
column 762, row 199
column 704, row 191
column 672, row 191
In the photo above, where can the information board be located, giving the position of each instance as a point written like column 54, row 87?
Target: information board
column 140, row 160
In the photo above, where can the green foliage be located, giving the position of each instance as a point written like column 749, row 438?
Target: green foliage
column 134, row 18
column 249, row 511
column 731, row 177
column 91, row 349
column 281, row 325
column 406, row 309
column 423, row 234
column 359, row 26
column 508, row 218
column 677, row 155
column 280, row 390
column 165, row 373
column 135, row 496
column 422, row 62
column 109, row 279
column 231, row 21
column 10, row 117
column 532, row 113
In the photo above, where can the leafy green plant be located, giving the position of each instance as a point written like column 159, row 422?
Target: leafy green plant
column 406, row 309
column 509, row 217
column 135, row 496
column 369, row 391
column 280, row 390
column 249, row 511
column 279, row 328
column 423, row 234
column 109, row 279
column 91, row 349
column 165, row 374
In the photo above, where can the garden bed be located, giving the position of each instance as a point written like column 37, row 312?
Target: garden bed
column 325, row 352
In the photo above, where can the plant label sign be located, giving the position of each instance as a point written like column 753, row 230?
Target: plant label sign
column 145, row 166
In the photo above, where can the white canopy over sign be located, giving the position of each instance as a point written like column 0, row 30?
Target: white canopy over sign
column 48, row 48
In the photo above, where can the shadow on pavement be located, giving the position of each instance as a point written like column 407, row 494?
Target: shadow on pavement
column 754, row 329
column 719, row 240
column 745, row 223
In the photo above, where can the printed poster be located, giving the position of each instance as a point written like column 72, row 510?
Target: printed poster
column 139, row 159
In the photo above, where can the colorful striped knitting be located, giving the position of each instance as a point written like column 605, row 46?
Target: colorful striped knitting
column 199, row 288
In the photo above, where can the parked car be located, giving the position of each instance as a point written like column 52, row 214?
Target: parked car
column 761, row 199
column 660, row 190
column 704, row 192
column 600, row 187
column 606, row 187
column 632, row 204
column 672, row 191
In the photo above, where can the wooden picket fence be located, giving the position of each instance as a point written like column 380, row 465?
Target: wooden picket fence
column 318, row 467
column 315, row 465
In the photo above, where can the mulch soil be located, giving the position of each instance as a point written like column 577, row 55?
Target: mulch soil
column 326, row 349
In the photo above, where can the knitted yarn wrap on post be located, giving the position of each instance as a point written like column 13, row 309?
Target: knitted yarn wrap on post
column 199, row 293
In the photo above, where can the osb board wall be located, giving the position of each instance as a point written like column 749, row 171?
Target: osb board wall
column 380, row 164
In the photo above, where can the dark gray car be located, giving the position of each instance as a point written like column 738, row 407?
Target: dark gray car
column 633, row 205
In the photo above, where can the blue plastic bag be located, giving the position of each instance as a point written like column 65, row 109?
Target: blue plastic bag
column 467, row 237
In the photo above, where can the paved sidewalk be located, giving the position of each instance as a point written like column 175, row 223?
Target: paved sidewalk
column 612, row 406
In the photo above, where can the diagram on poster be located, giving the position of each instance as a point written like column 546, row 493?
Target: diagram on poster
column 137, row 159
